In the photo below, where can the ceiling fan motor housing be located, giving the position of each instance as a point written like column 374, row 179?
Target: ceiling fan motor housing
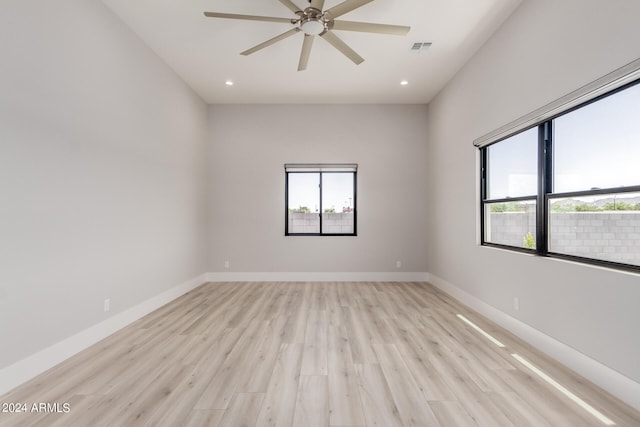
column 312, row 22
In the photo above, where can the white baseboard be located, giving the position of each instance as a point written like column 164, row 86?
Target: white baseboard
column 25, row 369
column 608, row 379
column 302, row 276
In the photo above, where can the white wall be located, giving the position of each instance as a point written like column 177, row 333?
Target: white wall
column 102, row 173
column 250, row 145
column 547, row 49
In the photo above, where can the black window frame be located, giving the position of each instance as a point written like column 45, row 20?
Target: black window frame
column 545, row 191
column 321, row 170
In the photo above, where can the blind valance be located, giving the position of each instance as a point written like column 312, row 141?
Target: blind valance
column 607, row 83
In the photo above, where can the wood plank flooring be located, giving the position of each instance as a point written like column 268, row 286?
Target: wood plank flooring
column 310, row 354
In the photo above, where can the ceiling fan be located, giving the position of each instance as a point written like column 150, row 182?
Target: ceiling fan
column 312, row 21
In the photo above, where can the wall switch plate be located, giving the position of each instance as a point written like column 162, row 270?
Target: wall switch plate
column 107, row 305
column 398, row 264
column 516, row 304
column 226, row 264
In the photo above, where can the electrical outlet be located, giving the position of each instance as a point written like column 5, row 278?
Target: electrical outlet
column 398, row 264
column 107, row 305
column 226, row 264
column 516, row 304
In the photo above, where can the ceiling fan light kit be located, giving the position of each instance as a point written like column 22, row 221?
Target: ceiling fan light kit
column 312, row 21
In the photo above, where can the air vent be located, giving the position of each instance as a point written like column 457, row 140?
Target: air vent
column 418, row 47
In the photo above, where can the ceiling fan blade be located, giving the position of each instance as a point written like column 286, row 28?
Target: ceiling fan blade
column 366, row 27
column 247, row 17
column 346, row 7
column 317, row 4
column 306, row 50
column 270, row 42
column 291, row 6
column 336, row 42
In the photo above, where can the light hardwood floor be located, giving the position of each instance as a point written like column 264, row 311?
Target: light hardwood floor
column 311, row 354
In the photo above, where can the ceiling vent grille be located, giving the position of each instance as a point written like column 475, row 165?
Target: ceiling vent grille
column 417, row 47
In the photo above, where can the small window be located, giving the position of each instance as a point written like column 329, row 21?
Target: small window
column 598, row 146
column 320, row 200
column 512, row 166
column 509, row 207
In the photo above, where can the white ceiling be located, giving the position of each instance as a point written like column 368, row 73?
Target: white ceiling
column 205, row 52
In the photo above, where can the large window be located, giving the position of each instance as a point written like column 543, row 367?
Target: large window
column 569, row 186
column 320, row 200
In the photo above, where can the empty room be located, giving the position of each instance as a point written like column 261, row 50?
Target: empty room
column 320, row 213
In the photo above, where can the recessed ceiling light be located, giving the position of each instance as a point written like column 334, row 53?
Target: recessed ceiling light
column 404, row 83
column 229, row 83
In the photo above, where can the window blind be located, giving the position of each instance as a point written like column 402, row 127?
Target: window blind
column 607, row 83
column 321, row 167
